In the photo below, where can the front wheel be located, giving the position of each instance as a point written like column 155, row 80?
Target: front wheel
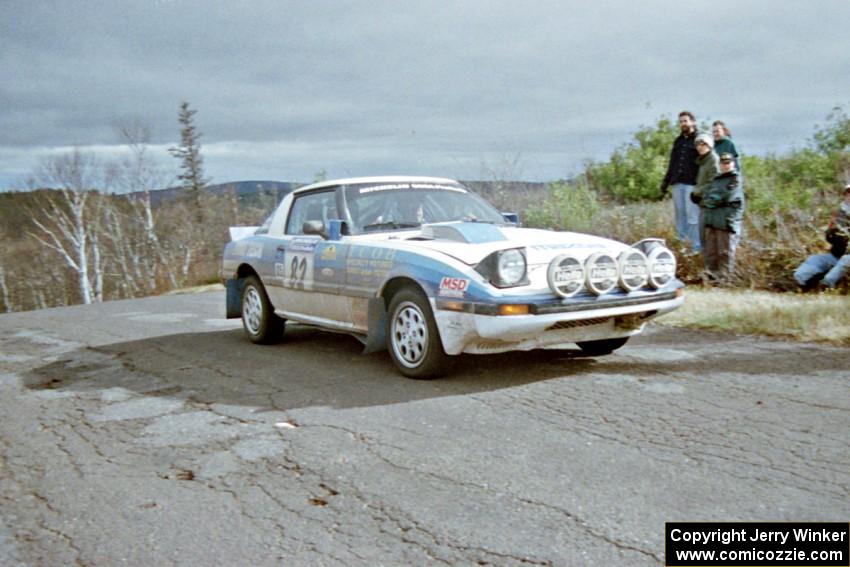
column 606, row 346
column 413, row 338
column 258, row 318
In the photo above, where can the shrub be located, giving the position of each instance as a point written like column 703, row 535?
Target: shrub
column 636, row 169
column 570, row 206
column 774, row 242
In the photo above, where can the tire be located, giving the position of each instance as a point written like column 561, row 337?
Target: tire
column 599, row 348
column 259, row 321
column 413, row 338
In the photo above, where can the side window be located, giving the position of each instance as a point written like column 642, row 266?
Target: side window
column 264, row 228
column 313, row 206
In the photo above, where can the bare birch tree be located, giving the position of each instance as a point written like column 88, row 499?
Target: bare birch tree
column 138, row 175
column 68, row 220
column 4, row 290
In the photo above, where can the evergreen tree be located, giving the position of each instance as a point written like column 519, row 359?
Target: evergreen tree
column 191, row 161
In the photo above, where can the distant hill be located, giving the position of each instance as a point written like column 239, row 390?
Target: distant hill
column 514, row 195
column 244, row 191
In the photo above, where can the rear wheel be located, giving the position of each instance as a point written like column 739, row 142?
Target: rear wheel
column 606, row 346
column 413, row 338
column 258, row 318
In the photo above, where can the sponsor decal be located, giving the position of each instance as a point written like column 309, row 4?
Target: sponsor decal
column 368, row 265
column 254, row 250
column 280, row 270
column 384, row 187
column 566, row 246
column 328, row 253
column 603, row 272
column 395, row 186
column 303, row 244
column 328, row 272
column 634, row 269
column 437, row 186
column 453, row 287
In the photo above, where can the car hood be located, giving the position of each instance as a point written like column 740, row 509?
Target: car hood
column 472, row 242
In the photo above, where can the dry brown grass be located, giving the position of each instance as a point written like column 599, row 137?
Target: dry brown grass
column 805, row 317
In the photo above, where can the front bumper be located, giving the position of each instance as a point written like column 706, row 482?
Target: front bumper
column 476, row 329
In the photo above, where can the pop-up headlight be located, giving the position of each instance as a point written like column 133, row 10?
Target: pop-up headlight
column 505, row 268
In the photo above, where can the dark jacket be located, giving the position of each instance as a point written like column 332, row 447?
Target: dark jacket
column 837, row 241
column 727, row 146
column 683, row 162
column 838, row 232
column 723, row 203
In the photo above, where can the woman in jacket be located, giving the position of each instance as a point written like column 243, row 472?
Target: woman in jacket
column 706, row 172
column 723, row 143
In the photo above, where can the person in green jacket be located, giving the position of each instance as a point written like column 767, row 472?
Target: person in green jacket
column 722, row 206
column 708, row 170
column 707, row 162
column 723, row 143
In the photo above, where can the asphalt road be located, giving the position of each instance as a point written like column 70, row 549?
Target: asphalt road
column 149, row 432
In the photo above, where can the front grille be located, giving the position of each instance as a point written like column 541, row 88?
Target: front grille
column 602, row 302
column 578, row 323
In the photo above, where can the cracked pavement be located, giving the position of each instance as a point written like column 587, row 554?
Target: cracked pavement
column 150, row 432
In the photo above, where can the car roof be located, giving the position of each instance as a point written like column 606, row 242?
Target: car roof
column 376, row 179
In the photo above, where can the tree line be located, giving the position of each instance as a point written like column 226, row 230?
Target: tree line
column 87, row 230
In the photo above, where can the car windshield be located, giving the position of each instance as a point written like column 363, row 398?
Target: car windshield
column 395, row 206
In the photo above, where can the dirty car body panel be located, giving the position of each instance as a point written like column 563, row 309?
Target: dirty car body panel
column 335, row 254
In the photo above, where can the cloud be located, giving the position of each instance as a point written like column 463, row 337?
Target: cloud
column 432, row 87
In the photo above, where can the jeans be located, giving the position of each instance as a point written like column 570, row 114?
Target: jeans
column 831, row 268
column 687, row 215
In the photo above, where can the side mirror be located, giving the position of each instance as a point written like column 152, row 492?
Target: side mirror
column 511, row 217
column 334, row 231
column 336, row 228
column 316, row 227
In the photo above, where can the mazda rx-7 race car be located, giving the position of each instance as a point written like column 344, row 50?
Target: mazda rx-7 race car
column 427, row 269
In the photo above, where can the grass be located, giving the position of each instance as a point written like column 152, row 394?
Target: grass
column 806, row 317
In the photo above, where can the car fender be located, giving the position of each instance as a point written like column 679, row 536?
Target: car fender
column 436, row 275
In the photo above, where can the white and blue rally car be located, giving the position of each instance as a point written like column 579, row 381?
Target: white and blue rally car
column 426, row 268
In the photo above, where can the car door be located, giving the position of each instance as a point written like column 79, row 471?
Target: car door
column 311, row 270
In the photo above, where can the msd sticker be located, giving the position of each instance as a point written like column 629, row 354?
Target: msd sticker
column 453, row 287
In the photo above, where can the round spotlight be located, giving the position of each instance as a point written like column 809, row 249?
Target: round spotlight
column 565, row 275
column 634, row 269
column 600, row 273
column 662, row 267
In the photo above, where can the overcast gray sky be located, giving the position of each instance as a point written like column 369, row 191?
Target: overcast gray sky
column 529, row 89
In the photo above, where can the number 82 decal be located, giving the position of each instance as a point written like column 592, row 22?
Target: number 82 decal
column 299, row 271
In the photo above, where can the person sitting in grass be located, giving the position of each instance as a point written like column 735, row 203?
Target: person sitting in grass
column 829, row 269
